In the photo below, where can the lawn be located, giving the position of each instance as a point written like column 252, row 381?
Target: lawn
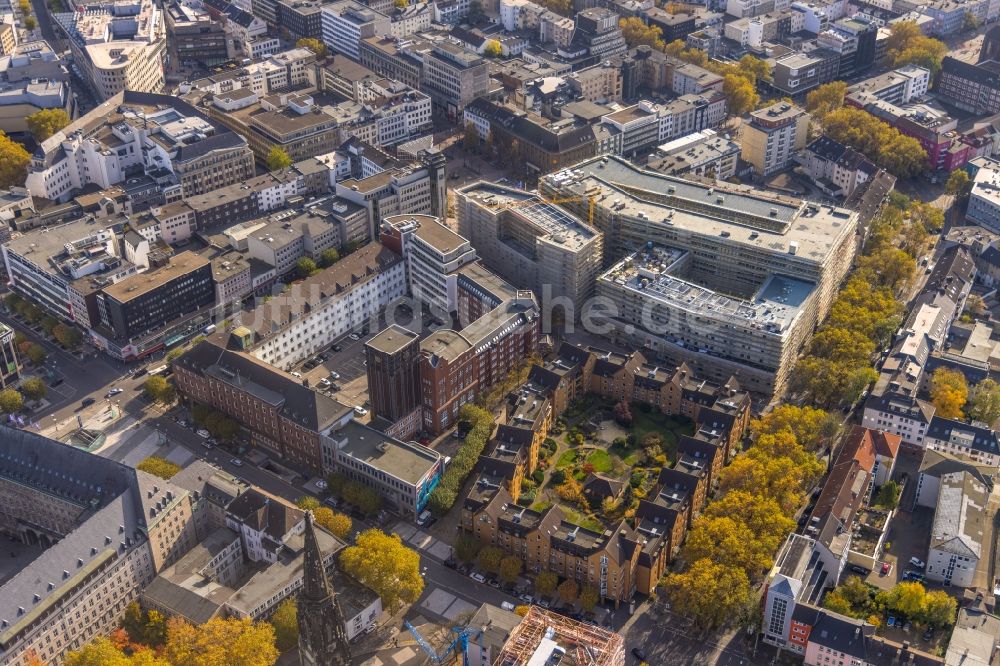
column 567, row 459
column 601, row 460
column 577, row 518
column 669, row 428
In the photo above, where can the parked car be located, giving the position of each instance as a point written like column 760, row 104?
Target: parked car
column 886, row 568
column 297, row 374
column 478, row 577
column 891, row 621
column 207, row 444
column 526, row 598
column 113, row 392
column 56, row 382
column 360, row 411
column 141, row 372
column 917, row 562
column 507, row 606
column 87, row 402
column 334, row 376
column 544, row 603
column 321, row 484
column 451, row 563
column 859, row 570
column 336, row 348
column 354, row 336
column 494, row 583
column 204, row 434
column 237, row 462
column 424, row 515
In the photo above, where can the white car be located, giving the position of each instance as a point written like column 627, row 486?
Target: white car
column 354, row 336
column 917, row 562
column 204, row 434
column 114, row 391
column 297, row 374
column 334, row 376
column 478, row 577
column 360, row 411
column 321, row 484
column 237, row 462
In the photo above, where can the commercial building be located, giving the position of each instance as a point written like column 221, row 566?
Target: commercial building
column 160, row 135
column 756, row 340
column 33, row 78
column 900, row 86
column 434, row 254
column 984, row 198
column 453, row 78
column 118, row 46
column 704, row 153
column 773, row 136
column 282, row 416
column 194, row 37
column 797, row 73
column 403, row 473
column 735, row 242
column 345, row 24
column 393, row 368
column 531, row 243
column 970, row 87
column 301, row 18
column 145, row 302
column 317, row 311
column 104, row 530
column 10, row 364
column 641, row 126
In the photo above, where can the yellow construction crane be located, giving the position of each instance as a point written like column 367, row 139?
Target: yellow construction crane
column 524, row 203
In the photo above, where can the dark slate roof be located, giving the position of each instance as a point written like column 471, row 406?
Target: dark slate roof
column 953, row 272
column 295, row 402
column 984, row 439
column 264, row 514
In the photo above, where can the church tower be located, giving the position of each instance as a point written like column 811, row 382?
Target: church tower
column 322, row 636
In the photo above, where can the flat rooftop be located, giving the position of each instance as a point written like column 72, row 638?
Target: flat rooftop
column 392, row 339
column 773, row 308
column 140, row 284
column 406, row 461
column 747, row 217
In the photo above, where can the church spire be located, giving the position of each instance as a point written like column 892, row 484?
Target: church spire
column 322, row 632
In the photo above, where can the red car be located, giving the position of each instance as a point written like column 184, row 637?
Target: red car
column 886, row 568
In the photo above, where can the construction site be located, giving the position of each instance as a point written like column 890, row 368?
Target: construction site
column 544, row 638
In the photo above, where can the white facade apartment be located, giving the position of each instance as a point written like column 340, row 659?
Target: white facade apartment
column 960, row 530
column 984, row 200
column 333, row 318
column 345, row 24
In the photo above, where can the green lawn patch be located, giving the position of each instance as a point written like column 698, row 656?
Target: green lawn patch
column 601, row 460
column 540, row 505
column 583, row 520
column 567, row 459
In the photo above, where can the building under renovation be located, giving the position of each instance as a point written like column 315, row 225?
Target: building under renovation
column 542, row 635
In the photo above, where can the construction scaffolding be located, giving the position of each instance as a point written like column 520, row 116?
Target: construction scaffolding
column 585, row 644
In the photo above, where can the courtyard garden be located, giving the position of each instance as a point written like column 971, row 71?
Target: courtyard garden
column 628, row 444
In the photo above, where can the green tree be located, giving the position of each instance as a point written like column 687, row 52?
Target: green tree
column 158, row 466
column 589, row 596
column 332, row 521
column 314, row 45
column 545, row 583
column 305, row 267
column 888, row 495
column 490, row 558
column 328, row 257
column 970, row 21
column 813, row 428
column 826, row 98
column 384, row 564
column 10, row 401
column 13, row 162
column 278, row 159
column 466, row 547
column 233, row 642
column 30, row 23
column 46, row 122
column 636, row 33
column 906, row 598
column 949, row 392
column 510, row 568
column 285, row 621
column 709, row 593
column 939, row 609
column 33, row 388
column 835, row 601
column 308, row 503
column 493, row 49
column 476, row 13
column 154, row 630
column 741, row 96
column 958, row 184
column 37, row 354
column 568, row 591
column 159, row 390
column 984, row 402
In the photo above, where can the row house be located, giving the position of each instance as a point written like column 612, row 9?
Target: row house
column 618, row 562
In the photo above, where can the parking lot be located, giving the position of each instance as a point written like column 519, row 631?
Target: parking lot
column 350, row 386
